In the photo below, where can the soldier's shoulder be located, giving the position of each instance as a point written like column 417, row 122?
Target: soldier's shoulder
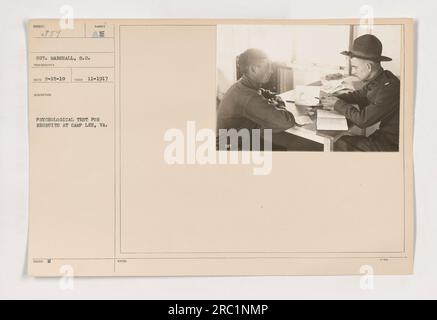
column 390, row 80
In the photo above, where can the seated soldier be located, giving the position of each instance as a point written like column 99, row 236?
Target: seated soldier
column 246, row 105
column 378, row 100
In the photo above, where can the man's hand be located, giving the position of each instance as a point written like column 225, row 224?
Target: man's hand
column 329, row 102
column 267, row 94
column 279, row 101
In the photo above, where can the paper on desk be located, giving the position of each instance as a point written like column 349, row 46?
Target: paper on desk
column 307, row 95
column 303, row 120
column 331, row 120
column 288, row 96
column 300, row 113
column 329, row 114
column 333, row 86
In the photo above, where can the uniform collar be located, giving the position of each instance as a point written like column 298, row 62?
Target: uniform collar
column 246, row 81
column 372, row 82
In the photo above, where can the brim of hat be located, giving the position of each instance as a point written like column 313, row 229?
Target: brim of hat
column 353, row 55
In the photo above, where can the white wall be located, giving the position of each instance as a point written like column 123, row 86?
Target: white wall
column 317, row 52
column 232, row 40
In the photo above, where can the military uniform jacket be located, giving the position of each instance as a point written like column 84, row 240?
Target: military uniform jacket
column 245, row 106
column 378, row 101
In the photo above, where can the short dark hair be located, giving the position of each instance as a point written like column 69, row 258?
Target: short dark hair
column 249, row 58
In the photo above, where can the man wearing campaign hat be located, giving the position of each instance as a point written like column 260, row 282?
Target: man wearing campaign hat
column 378, row 100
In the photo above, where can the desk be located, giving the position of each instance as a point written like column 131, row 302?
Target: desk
column 309, row 131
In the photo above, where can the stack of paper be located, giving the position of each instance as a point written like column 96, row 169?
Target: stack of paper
column 303, row 120
column 331, row 120
column 333, row 86
column 300, row 113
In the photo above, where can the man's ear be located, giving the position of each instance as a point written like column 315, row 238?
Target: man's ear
column 369, row 66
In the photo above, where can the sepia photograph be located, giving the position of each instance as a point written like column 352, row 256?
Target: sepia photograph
column 309, row 87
